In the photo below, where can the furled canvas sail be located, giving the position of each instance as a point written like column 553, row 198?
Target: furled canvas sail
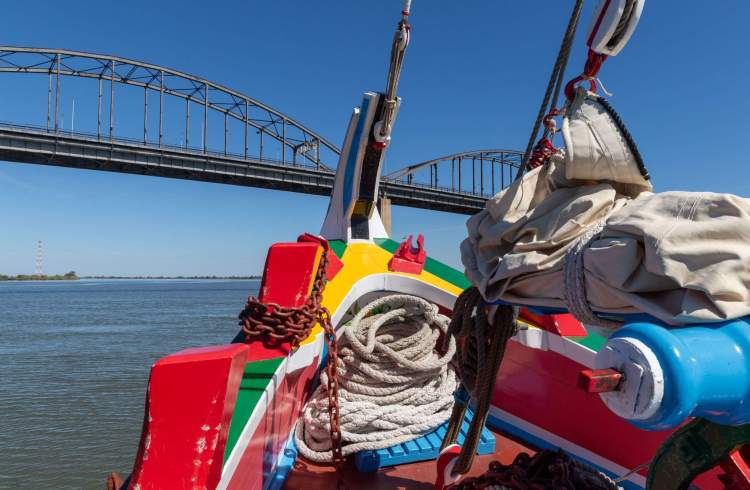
column 682, row 257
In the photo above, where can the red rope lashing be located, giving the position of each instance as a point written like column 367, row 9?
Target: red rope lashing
column 544, row 149
column 594, row 63
column 542, row 152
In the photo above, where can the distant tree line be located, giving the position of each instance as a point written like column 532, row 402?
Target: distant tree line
column 172, row 277
column 69, row 276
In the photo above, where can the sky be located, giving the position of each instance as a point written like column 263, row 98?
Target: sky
column 473, row 78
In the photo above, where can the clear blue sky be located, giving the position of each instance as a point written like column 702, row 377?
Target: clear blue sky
column 473, row 79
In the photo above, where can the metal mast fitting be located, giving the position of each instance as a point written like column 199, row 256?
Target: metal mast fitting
column 380, row 134
column 352, row 212
column 383, row 127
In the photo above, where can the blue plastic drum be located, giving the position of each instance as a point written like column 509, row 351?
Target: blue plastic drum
column 673, row 374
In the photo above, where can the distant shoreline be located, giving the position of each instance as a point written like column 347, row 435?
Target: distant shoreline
column 70, row 276
column 238, row 278
column 25, row 277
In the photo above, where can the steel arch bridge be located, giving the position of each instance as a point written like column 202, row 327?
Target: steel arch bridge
column 183, row 126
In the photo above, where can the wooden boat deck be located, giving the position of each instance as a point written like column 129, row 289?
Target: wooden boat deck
column 413, row 476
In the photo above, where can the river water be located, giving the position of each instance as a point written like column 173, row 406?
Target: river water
column 74, row 362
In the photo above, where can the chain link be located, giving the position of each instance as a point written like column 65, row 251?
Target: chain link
column 545, row 470
column 275, row 324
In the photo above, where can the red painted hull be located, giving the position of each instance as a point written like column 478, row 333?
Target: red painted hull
column 259, row 458
column 539, row 387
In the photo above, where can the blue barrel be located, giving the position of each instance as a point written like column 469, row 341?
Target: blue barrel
column 705, row 371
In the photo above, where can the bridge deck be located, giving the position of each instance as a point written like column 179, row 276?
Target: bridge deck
column 65, row 149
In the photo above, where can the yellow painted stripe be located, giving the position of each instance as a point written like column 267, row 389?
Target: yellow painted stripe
column 361, row 260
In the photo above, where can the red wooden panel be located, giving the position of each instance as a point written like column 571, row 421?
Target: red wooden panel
column 288, row 278
column 289, row 273
column 189, row 406
column 563, row 324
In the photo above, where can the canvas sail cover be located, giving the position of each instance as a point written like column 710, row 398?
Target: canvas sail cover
column 681, row 257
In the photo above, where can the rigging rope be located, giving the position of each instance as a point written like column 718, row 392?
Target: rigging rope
column 393, row 385
column 478, row 358
column 555, row 82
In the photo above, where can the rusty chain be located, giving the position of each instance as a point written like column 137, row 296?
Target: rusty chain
column 544, row 471
column 275, row 324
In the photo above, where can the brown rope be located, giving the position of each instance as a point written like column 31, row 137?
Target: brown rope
column 479, row 354
column 276, row 325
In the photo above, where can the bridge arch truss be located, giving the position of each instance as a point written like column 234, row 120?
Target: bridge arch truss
column 478, row 173
column 272, row 151
column 261, row 125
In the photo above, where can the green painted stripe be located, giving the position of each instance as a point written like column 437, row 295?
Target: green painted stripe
column 338, row 247
column 387, row 244
column 593, row 341
column 255, row 379
column 431, row 265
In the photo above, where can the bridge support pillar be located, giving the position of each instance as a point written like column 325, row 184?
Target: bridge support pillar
column 384, row 208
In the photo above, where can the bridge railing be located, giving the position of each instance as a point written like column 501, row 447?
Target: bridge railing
column 488, row 172
column 93, row 137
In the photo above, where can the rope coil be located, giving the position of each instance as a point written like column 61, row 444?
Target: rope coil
column 393, row 385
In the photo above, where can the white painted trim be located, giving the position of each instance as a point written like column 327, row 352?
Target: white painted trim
column 300, row 359
column 537, row 338
column 392, row 283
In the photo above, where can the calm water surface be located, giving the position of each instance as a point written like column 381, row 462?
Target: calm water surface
column 74, row 362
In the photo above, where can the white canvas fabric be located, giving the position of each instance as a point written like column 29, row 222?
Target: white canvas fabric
column 681, row 257
column 596, row 148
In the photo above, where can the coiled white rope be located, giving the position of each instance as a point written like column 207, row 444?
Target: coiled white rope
column 393, row 385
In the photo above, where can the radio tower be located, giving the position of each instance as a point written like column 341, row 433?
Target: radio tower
column 39, row 259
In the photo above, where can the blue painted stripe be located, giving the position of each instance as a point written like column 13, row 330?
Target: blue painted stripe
column 283, row 467
column 351, row 159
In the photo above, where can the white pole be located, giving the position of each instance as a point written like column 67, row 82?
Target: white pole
column 73, row 116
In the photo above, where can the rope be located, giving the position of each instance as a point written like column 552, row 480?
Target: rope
column 625, row 134
column 555, row 81
column 393, row 385
column 478, row 360
column 575, row 280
